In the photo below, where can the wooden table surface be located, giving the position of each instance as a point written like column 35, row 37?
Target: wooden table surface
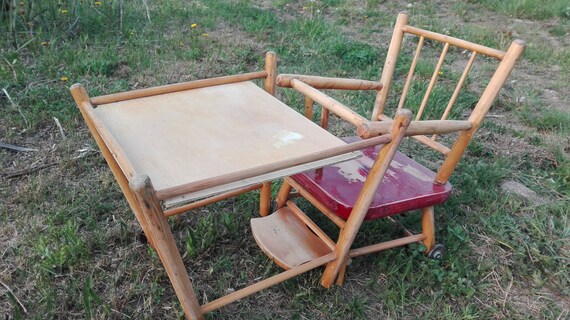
column 183, row 137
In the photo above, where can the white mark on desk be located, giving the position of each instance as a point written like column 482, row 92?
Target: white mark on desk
column 285, row 137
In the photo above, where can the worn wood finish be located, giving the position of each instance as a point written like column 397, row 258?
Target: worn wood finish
column 455, row 41
column 293, row 272
column 372, row 129
column 284, row 80
column 379, row 168
column 271, row 70
column 406, row 186
column 327, row 102
column 390, row 65
column 165, row 245
column 254, row 130
column 210, row 200
column 271, row 167
column 480, row 111
column 149, row 92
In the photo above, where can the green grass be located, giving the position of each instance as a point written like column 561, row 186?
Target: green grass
column 531, row 9
column 69, row 247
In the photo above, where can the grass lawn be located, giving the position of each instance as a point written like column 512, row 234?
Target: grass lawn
column 68, row 245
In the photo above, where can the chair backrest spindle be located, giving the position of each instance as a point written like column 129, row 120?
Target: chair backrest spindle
column 490, row 93
column 433, row 80
column 411, row 73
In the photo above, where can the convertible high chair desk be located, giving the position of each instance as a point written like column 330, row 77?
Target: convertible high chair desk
column 178, row 147
column 338, row 190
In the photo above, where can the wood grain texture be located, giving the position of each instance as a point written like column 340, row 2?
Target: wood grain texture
column 286, row 239
column 158, row 228
column 184, row 137
column 331, row 104
column 374, row 128
column 455, row 41
column 284, row 80
column 148, row 92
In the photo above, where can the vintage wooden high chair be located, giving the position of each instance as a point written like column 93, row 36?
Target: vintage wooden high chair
column 178, row 147
column 341, row 191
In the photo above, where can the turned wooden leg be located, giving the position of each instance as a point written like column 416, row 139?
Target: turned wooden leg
column 428, row 228
column 265, row 199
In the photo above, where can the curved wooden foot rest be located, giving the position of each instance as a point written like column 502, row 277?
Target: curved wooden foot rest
column 286, row 239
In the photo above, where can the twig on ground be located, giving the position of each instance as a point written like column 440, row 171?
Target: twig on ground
column 13, row 70
column 15, row 298
column 22, row 172
column 59, row 127
column 15, row 106
column 507, row 293
column 145, row 3
column 16, row 148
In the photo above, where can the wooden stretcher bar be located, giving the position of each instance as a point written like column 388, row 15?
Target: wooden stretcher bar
column 207, row 201
column 371, row 129
column 263, row 169
column 264, row 284
column 331, row 104
column 284, row 80
column 135, row 94
column 455, row 41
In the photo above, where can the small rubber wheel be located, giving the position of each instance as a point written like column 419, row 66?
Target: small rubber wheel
column 141, row 237
column 437, row 252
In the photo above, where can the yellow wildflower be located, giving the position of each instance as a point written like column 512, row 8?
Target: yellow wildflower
column 194, row 25
column 205, row 34
column 64, row 78
column 64, row 11
column 440, row 73
column 98, row 3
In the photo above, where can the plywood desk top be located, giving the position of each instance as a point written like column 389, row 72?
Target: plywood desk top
column 188, row 136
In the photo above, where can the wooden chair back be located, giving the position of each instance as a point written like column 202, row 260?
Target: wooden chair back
column 489, row 94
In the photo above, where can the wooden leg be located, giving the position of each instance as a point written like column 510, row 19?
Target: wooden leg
column 428, row 228
column 283, row 195
column 159, row 230
column 265, row 199
column 80, row 95
column 341, row 274
column 309, row 108
column 362, row 204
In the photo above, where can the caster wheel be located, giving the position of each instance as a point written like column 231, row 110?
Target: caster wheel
column 141, row 237
column 437, row 252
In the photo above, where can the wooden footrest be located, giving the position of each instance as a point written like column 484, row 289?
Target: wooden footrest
column 286, row 239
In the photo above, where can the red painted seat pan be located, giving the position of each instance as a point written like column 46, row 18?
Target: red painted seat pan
column 406, row 186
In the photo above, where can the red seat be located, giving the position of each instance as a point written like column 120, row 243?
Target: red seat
column 406, row 186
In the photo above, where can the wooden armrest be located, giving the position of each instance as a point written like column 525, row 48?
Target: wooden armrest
column 331, row 104
column 373, row 128
column 284, row 80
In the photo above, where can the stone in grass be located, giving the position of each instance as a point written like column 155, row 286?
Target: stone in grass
column 517, row 189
